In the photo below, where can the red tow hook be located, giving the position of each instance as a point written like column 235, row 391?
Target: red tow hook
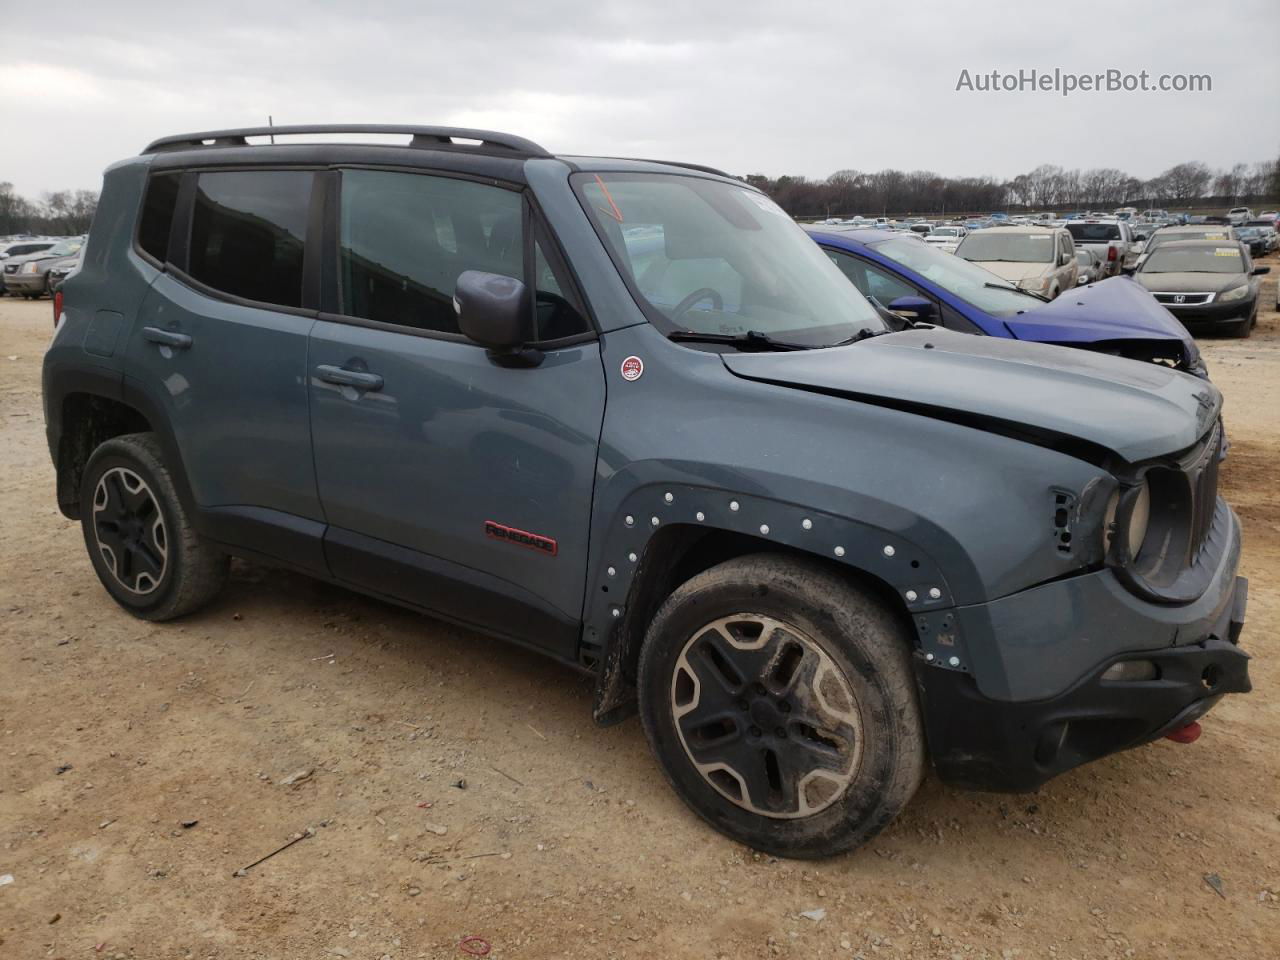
column 1188, row 734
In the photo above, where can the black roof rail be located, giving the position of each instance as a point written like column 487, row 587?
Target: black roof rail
column 679, row 163
column 422, row 136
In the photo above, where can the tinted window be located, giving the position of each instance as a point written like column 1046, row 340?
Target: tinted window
column 157, row 215
column 405, row 238
column 1094, row 232
column 247, row 233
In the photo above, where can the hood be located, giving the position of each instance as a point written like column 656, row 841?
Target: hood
column 1190, row 282
column 23, row 258
column 1008, row 270
column 1114, row 309
column 1136, row 410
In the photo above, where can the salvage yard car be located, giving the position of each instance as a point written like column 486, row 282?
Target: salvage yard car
column 1109, row 239
column 449, row 373
column 29, row 276
column 1205, row 282
column 1040, row 260
column 916, row 280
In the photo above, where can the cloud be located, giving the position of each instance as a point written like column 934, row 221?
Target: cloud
column 804, row 87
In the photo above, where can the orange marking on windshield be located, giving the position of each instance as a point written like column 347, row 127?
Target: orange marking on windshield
column 613, row 210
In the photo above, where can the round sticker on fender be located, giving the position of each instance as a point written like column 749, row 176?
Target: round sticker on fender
column 632, row 367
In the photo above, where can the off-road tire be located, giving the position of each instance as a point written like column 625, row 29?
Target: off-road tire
column 845, row 629
column 193, row 570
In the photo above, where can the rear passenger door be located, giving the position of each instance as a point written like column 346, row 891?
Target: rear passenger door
column 451, row 478
column 219, row 349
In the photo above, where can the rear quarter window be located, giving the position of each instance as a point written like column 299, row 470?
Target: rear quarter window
column 157, row 215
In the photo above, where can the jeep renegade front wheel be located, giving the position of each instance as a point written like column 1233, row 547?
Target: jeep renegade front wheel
column 779, row 700
column 139, row 539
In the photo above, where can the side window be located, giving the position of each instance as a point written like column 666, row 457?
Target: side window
column 157, row 214
column 557, row 315
column 885, row 287
column 851, row 268
column 247, row 233
column 404, row 238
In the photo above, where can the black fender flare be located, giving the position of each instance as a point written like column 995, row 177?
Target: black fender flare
column 612, row 635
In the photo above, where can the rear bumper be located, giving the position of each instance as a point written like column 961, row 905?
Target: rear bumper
column 1029, row 701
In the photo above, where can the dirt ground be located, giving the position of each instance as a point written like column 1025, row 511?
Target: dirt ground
column 565, row 841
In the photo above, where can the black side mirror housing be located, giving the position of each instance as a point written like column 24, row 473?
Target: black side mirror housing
column 920, row 309
column 1259, row 271
column 493, row 310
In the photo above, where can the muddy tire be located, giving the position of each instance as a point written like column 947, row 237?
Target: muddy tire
column 779, row 700
column 140, row 540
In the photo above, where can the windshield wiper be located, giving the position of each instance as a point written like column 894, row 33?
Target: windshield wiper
column 1025, row 293
column 866, row 333
column 751, row 340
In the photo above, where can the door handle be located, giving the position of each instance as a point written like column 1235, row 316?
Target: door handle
column 349, row 378
column 166, row 338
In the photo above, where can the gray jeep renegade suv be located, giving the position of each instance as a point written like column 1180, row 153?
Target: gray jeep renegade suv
column 628, row 414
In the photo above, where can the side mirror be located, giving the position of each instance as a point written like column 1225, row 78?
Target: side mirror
column 914, row 308
column 1259, row 271
column 1128, row 271
column 493, row 310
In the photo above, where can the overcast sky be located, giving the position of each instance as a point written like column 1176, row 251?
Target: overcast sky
column 780, row 87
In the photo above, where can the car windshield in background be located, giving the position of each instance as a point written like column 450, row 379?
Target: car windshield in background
column 1093, row 232
column 1009, row 247
column 945, row 232
column 65, row 248
column 967, row 281
column 715, row 258
column 1194, row 260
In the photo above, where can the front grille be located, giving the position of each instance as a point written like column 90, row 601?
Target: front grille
column 1183, row 299
column 1203, row 478
column 10, row 268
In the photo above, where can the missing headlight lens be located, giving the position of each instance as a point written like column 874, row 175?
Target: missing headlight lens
column 1138, row 520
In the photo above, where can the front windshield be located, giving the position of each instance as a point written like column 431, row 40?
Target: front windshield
column 713, row 257
column 1194, row 260
column 945, row 232
column 65, row 248
column 1009, row 247
column 959, row 277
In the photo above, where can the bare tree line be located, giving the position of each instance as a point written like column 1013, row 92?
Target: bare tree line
column 893, row 192
column 61, row 213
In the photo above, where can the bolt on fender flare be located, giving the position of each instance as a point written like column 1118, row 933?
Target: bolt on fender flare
column 910, row 572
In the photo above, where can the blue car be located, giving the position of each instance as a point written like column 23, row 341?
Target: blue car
column 906, row 277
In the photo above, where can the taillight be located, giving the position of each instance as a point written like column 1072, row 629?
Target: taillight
column 1111, row 253
column 57, row 306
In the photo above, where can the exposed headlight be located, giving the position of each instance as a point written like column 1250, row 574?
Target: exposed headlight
column 29, row 267
column 1235, row 293
column 1139, row 516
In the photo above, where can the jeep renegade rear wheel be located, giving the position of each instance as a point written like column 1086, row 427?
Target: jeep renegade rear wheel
column 779, row 700
column 139, row 539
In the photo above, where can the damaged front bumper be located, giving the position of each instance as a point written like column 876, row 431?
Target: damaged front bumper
column 1042, row 692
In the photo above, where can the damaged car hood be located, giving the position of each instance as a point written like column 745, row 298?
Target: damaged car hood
column 1113, row 309
column 1135, row 410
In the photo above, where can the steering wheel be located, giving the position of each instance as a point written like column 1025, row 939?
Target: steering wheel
column 687, row 304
